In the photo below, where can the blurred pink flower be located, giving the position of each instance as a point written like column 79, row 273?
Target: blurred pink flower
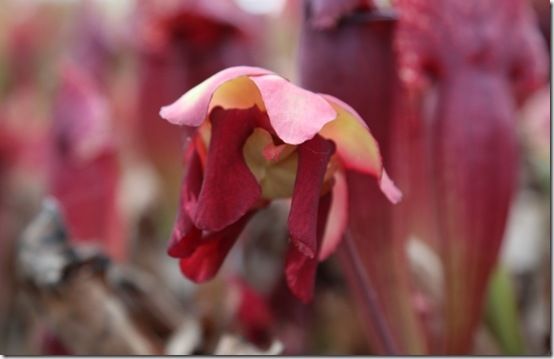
column 84, row 169
column 181, row 44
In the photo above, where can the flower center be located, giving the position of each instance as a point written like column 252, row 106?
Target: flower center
column 275, row 165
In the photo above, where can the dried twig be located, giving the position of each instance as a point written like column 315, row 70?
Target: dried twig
column 92, row 305
column 96, row 307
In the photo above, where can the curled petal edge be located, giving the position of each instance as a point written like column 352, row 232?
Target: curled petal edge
column 356, row 146
column 296, row 115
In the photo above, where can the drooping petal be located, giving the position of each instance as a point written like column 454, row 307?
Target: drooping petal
column 356, row 147
column 185, row 237
column 389, row 189
column 194, row 177
column 295, row 114
column 229, row 189
column 313, row 157
column 300, row 272
column 300, row 269
column 338, row 218
column 204, row 262
column 191, row 109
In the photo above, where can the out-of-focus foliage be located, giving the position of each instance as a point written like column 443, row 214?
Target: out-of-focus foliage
column 502, row 313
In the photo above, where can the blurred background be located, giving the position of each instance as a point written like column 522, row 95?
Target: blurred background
column 82, row 144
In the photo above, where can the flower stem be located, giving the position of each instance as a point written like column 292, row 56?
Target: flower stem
column 369, row 296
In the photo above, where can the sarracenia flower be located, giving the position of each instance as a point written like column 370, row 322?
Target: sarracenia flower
column 261, row 138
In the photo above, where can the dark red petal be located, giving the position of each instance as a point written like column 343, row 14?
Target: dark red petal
column 185, row 237
column 193, row 180
column 301, row 269
column 313, row 157
column 229, row 189
column 205, row 261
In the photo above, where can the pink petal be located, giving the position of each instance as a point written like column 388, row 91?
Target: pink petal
column 300, row 269
column 205, row 261
column 191, row 109
column 295, row 114
column 229, row 189
column 335, row 101
column 313, row 157
column 81, row 118
column 389, row 189
column 356, row 146
column 338, row 218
